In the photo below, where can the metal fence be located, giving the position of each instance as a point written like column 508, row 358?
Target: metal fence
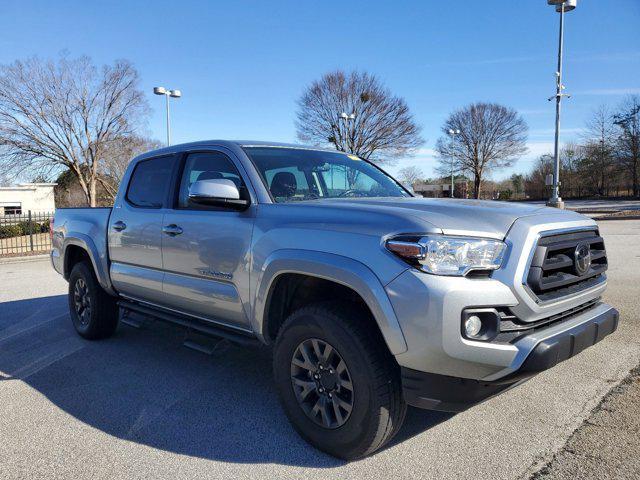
column 25, row 233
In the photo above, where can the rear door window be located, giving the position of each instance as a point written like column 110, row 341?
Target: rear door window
column 150, row 182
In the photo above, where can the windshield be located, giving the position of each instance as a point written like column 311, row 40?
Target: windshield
column 293, row 174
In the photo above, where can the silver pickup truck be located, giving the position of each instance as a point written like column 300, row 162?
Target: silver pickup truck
column 371, row 299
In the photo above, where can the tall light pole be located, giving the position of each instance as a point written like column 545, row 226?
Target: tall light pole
column 346, row 119
column 167, row 94
column 562, row 6
column 452, row 133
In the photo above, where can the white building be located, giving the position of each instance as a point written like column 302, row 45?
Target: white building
column 18, row 200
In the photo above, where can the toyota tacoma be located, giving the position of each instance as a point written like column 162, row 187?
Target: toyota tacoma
column 371, row 299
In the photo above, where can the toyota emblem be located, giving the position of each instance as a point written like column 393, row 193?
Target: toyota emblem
column 582, row 259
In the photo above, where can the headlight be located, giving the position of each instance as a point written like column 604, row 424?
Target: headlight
column 444, row 255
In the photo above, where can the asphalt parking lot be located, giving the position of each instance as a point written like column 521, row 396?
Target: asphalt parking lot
column 140, row 405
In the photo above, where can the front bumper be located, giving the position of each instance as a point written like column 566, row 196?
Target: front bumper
column 429, row 309
column 454, row 394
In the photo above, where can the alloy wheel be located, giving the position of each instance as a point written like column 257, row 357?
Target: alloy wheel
column 82, row 301
column 322, row 383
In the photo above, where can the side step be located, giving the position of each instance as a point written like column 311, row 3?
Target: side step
column 202, row 343
column 135, row 320
column 199, row 326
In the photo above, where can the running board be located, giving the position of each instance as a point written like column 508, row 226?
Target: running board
column 202, row 343
column 244, row 339
column 127, row 319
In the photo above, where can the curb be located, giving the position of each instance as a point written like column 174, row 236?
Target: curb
column 621, row 217
column 26, row 258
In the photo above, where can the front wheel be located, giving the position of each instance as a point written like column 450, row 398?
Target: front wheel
column 93, row 311
column 338, row 383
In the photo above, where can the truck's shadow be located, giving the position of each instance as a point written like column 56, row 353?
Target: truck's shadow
column 144, row 386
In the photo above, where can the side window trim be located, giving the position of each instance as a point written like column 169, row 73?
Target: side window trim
column 174, row 201
column 132, row 176
column 240, row 166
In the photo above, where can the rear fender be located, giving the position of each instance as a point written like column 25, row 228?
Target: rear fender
column 98, row 260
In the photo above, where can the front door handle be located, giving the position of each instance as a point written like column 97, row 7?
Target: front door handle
column 172, row 230
column 119, row 226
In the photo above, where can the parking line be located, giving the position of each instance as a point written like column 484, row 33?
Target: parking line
column 31, row 327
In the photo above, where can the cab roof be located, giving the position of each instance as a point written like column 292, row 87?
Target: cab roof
column 228, row 143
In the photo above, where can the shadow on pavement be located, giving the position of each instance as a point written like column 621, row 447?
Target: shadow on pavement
column 142, row 385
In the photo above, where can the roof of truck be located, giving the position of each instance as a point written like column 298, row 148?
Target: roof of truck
column 228, row 143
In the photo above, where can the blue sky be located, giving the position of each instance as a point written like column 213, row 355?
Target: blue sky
column 241, row 65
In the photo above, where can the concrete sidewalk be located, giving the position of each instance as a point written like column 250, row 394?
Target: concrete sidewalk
column 24, row 258
column 606, row 446
column 604, row 205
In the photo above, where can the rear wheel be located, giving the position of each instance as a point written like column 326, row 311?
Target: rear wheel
column 338, row 383
column 93, row 311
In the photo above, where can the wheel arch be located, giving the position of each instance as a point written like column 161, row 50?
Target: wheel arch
column 326, row 269
column 79, row 247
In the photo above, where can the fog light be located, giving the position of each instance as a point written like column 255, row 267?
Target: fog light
column 472, row 326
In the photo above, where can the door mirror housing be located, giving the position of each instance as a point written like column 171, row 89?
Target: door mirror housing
column 218, row 192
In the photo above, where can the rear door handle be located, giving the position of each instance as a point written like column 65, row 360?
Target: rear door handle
column 119, row 226
column 172, row 230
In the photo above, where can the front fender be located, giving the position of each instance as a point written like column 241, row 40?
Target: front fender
column 339, row 269
column 98, row 260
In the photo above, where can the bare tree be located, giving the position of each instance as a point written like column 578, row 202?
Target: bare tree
column 535, row 181
column 570, row 157
column 599, row 147
column 68, row 192
column 410, row 175
column 628, row 141
column 64, row 113
column 117, row 155
column 607, row 160
column 381, row 126
column 491, row 136
column 517, row 182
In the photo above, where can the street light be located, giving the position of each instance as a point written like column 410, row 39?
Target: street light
column 167, row 94
column 452, row 133
column 562, row 6
column 347, row 118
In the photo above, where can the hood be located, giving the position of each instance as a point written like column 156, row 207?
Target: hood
column 452, row 216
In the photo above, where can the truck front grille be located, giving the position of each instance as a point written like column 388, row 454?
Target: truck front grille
column 566, row 264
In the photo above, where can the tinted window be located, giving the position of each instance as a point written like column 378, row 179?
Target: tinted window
column 283, row 181
column 293, row 174
column 205, row 166
column 150, row 182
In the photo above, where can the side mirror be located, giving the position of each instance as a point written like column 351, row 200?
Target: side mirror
column 218, row 192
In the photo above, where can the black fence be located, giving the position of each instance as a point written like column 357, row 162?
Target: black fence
column 25, row 233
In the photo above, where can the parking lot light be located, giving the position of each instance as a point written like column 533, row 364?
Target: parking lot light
column 167, row 94
column 452, row 133
column 562, row 6
column 346, row 118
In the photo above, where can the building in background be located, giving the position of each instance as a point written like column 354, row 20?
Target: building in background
column 19, row 199
column 440, row 190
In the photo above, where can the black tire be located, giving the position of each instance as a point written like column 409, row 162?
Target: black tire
column 97, row 315
column 378, row 408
